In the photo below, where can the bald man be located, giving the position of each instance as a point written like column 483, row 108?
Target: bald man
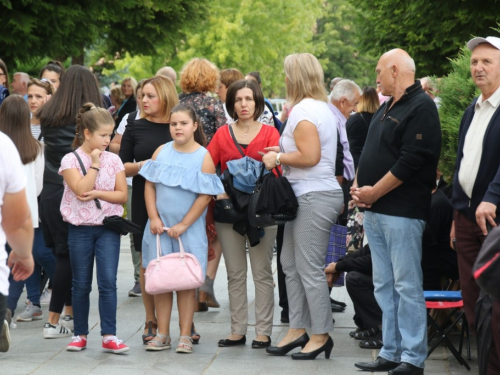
column 395, row 178
column 168, row 72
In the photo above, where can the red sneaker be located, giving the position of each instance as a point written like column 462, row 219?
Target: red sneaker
column 113, row 345
column 77, row 343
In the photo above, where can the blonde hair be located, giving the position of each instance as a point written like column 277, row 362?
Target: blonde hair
column 369, row 101
column 304, row 78
column 199, row 75
column 167, row 94
column 44, row 84
column 117, row 92
column 133, row 82
column 91, row 118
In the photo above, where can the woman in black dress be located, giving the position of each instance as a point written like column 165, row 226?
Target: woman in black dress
column 140, row 140
column 357, row 125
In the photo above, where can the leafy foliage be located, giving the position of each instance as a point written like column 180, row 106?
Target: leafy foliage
column 456, row 91
column 33, row 29
column 254, row 35
column 337, row 43
column 431, row 31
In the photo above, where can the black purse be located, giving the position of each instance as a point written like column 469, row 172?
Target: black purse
column 225, row 212
column 273, row 201
column 115, row 223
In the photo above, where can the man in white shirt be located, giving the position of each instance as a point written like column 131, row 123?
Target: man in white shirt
column 16, row 227
column 476, row 186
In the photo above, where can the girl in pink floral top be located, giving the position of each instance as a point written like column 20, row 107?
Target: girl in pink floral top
column 87, row 200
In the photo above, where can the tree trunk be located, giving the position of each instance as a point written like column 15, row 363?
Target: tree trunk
column 80, row 58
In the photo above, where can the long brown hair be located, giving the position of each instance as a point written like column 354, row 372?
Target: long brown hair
column 91, row 118
column 15, row 122
column 78, row 86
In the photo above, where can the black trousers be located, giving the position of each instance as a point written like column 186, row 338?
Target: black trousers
column 283, row 299
column 361, row 290
column 3, row 309
column 55, row 234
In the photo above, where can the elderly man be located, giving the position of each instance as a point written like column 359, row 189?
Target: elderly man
column 476, row 186
column 395, row 178
column 168, row 72
column 19, row 84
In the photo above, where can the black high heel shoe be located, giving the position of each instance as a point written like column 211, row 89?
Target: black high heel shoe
column 327, row 348
column 282, row 350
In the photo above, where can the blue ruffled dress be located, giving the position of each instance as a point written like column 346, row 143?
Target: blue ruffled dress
column 178, row 180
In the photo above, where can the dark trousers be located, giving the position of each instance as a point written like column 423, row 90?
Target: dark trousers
column 283, row 299
column 3, row 308
column 469, row 239
column 360, row 287
column 55, row 233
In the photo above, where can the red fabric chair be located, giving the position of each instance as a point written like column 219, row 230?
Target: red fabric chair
column 442, row 330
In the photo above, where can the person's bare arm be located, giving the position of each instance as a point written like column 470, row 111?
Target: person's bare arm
column 308, row 152
column 18, row 227
column 115, row 144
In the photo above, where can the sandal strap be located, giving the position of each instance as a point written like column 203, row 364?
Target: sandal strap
column 186, row 338
column 158, row 340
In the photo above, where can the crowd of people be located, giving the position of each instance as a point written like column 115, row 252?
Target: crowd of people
column 367, row 159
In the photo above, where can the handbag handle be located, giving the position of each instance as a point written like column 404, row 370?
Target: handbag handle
column 84, row 171
column 158, row 247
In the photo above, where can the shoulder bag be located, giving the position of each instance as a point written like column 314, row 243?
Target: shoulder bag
column 173, row 272
column 114, row 222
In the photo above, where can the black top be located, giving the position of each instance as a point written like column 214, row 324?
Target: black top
column 406, row 141
column 359, row 261
column 357, row 129
column 140, row 140
column 130, row 105
column 57, row 143
column 440, row 219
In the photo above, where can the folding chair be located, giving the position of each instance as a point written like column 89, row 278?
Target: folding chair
column 448, row 300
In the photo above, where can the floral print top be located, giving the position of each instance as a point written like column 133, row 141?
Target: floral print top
column 210, row 111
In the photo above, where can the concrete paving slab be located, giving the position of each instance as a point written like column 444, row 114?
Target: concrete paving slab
column 31, row 354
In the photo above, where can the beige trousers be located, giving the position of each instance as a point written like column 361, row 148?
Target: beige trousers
column 235, row 258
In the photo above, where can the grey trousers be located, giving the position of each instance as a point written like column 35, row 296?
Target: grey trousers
column 235, row 258
column 136, row 256
column 303, row 259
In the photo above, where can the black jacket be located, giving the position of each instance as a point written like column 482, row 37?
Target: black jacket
column 487, row 184
column 57, row 143
column 357, row 129
column 406, row 141
column 359, row 261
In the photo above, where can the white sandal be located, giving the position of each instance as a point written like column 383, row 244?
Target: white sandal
column 157, row 344
column 183, row 346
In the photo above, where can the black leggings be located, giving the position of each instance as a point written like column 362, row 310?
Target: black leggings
column 3, row 308
column 61, row 285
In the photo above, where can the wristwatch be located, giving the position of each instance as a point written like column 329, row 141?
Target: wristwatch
column 278, row 158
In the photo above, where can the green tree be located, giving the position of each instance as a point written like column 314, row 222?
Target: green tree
column 456, row 91
column 254, row 35
column 33, row 29
column 431, row 31
column 337, row 43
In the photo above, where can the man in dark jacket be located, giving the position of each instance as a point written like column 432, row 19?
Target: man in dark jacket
column 476, row 187
column 396, row 174
column 359, row 285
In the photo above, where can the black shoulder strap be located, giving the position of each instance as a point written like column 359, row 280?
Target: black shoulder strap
column 39, row 136
column 235, row 141
column 364, row 120
column 84, row 171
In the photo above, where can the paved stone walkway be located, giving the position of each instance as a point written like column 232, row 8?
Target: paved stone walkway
column 30, row 353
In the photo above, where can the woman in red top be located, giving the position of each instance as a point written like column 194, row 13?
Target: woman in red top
column 245, row 103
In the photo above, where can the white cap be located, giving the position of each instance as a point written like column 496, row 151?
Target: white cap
column 491, row 40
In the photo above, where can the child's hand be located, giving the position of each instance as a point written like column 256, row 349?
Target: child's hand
column 95, row 154
column 89, row 196
column 177, row 230
column 156, row 226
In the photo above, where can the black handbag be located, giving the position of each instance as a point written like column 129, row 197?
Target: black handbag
column 225, row 212
column 273, row 201
column 115, row 223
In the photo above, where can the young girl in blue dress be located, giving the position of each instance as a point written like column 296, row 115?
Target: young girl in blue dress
column 181, row 180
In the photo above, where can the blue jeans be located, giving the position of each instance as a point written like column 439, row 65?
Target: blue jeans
column 85, row 244
column 396, row 247
column 44, row 258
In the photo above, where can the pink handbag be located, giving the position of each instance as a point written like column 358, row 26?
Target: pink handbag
column 173, row 272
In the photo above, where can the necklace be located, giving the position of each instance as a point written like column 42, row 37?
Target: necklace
column 245, row 133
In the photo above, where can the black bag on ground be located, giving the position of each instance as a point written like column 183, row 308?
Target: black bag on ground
column 273, row 202
column 115, row 223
